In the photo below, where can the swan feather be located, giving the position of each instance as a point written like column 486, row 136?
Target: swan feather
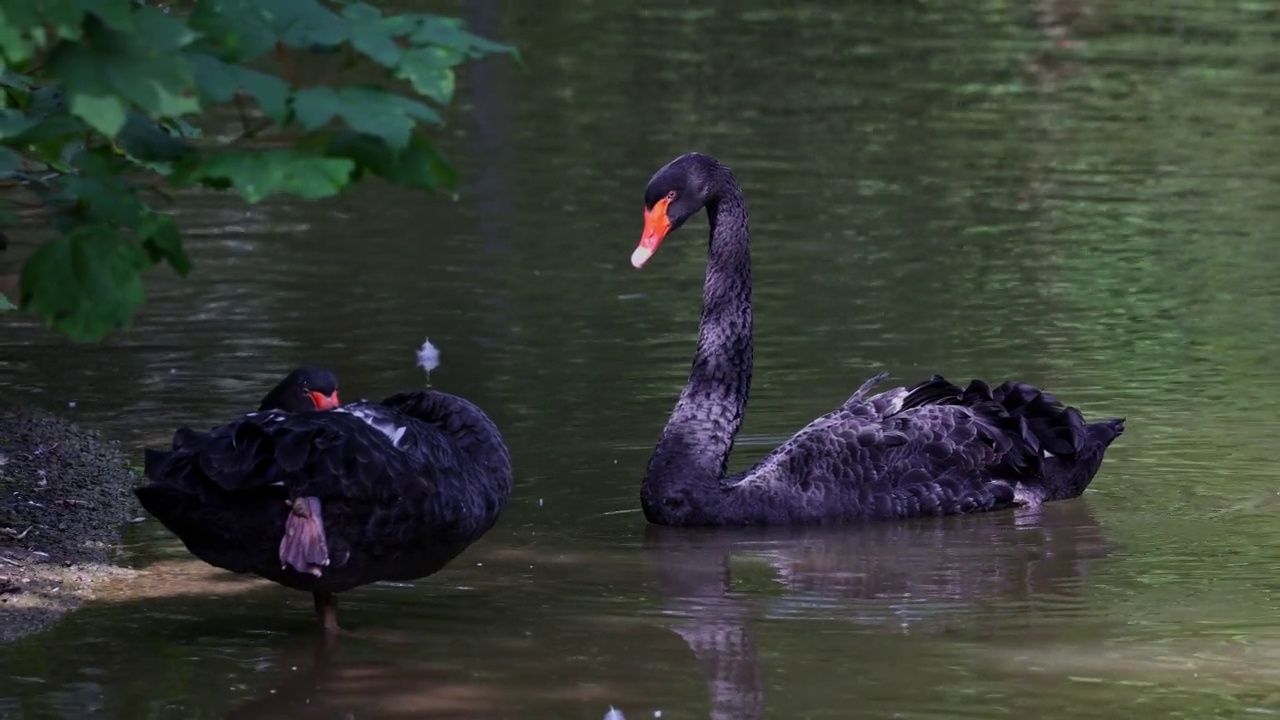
column 389, row 514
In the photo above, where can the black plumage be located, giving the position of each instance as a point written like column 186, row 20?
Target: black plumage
column 930, row 449
column 397, row 489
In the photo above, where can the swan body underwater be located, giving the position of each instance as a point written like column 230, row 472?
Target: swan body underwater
column 324, row 497
column 930, row 449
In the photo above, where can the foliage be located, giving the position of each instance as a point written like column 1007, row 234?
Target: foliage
column 94, row 125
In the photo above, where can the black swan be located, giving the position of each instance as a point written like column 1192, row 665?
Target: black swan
column 930, row 449
column 323, row 497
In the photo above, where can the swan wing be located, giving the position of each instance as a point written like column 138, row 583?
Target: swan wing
column 852, row 447
column 933, row 460
column 361, row 449
column 472, row 434
column 930, row 449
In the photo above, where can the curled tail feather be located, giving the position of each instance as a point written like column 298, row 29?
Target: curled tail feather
column 1034, row 423
column 861, row 393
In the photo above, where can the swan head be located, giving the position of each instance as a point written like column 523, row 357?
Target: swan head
column 675, row 193
column 306, row 388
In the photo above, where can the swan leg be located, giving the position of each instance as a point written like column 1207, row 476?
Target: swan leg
column 1027, row 497
column 327, row 610
column 303, row 547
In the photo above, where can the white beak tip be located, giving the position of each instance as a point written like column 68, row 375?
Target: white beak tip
column 640, row 257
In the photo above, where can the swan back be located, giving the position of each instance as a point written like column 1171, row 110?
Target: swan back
column 472, row 433
column 927, row 450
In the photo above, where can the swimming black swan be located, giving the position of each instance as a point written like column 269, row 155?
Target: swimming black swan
column 323, row 498
column 930, row 449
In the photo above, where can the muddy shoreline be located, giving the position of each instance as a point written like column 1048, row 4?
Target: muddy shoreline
column 65, row 493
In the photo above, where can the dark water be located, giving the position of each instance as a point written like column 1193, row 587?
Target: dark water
column 1084, row 194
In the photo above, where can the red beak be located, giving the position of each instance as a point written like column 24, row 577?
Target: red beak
column 324, row 402
column 656, row 227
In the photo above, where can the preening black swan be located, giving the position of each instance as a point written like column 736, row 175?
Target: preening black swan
column 323, row 498
column 930, row 449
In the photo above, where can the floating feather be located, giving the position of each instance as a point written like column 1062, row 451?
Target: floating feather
column 428, row 358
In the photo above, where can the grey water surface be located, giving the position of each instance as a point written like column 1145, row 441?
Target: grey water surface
column 1084, row 194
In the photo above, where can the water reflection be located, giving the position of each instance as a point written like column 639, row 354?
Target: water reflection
column 913, row 578
column 555, row 644
column 323, row 687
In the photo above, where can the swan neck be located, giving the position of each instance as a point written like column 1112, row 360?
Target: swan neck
column 698, row 439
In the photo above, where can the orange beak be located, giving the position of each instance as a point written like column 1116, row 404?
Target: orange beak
column 324, row 402
column 656, row 227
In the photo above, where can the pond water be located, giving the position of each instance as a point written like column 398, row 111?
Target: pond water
column 1084, row 194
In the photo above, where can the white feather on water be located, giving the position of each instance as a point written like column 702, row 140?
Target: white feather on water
column 428, row 356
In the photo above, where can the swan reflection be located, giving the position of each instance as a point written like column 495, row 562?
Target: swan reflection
column 904, row 578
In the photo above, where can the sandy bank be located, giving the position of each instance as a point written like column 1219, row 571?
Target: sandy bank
column 64, row 494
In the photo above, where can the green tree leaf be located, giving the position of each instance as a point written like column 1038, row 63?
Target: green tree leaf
column 259, row 174
column 370, row 35
column 317, row 107
column 305, row 23
column 105, row 112
column 85, row 284
column 233, row 30
column 446, row 32
column 162, row 241
column 27, row 26
column 159, row 32
column 430, row 71
column 15, row 122
column 366, row 109
column 95, row 100
column 219, row 81
column 17, row 46
column 417, row 166
column 102, row 193
column 145, row 140
column 10, row 163
column 113, row 68
column 25, row 130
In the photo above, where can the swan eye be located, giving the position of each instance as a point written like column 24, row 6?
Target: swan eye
column 671, row 195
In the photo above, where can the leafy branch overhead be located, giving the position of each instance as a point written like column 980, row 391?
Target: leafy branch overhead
column 99, row 97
